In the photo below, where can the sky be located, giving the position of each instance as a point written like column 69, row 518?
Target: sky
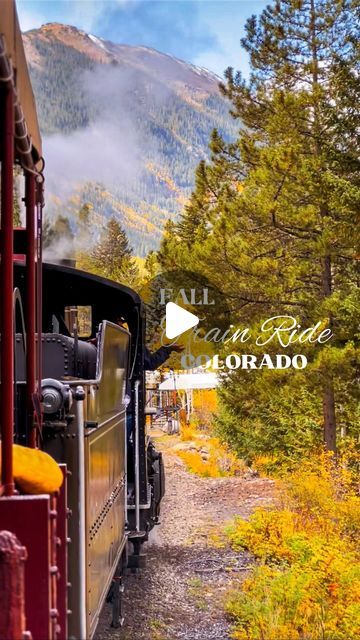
column 204, row 32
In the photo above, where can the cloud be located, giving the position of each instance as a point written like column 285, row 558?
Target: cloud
column 113, row 142
column 29, row 17
column 108, row 153
column 205, row 32
column 170, row 26
column 89, row 15
column 85, row 14
column 173, row 27
column 226, row 21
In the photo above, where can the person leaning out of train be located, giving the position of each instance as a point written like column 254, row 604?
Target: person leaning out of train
column 152, row 361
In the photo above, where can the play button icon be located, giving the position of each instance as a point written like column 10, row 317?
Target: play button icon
column 178, row 320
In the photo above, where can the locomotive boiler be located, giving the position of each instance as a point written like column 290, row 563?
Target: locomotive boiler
column 73, row 387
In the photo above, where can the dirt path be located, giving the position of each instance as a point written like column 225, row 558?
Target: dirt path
column 178, row 595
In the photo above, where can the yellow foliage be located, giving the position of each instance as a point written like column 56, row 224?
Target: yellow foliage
column 209, row 458
column 306, row 584
column 325, row 492
column 266, row 464
column 205, row 398
column 35, row 472
column 162, row 177
column 188, row 432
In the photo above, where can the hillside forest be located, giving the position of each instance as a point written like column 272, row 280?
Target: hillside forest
column 144, row 119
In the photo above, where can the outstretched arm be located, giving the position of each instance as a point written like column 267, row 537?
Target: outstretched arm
column 153, row 361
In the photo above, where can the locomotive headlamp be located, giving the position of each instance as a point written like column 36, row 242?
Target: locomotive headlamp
column 56, row 396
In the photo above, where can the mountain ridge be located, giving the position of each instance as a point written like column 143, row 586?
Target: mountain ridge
column 109, row 49
column 127, row 121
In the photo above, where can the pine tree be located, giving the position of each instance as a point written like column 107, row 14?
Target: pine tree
column 151, row 265
column 300, row 52
column 58, row 237
column 273, row 220
column 112, row 256
column 84, row 235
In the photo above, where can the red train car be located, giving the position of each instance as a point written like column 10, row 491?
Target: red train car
column 33, row 526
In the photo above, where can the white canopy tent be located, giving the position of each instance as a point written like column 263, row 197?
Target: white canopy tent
column 189, row 381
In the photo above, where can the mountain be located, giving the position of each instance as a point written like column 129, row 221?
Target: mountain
column 124, row 128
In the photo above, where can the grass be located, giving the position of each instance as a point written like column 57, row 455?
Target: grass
column 197, row 592
column 157, row 629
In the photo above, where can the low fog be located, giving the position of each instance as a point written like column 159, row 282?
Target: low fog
column 111, row 149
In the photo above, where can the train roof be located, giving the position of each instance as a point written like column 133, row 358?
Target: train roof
column 76, row 277
column 14, row 51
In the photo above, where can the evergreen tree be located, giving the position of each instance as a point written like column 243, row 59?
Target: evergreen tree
column 151, row 265
column 273, row 219
column 84, row 237
column 112, row 256
column 58, row 237
column 84, row 215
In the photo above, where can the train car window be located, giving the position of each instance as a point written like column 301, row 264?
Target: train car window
column 78, row 320
column 84, row 321
column 18, row 193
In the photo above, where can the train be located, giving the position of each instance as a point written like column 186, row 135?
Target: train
column 72, row 401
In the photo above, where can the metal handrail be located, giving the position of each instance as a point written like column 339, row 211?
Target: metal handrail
column 137, row 460
column 17, row 299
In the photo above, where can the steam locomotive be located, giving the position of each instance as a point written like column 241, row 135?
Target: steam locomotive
column 72, row 385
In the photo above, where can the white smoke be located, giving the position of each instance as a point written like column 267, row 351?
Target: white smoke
column 111, row 149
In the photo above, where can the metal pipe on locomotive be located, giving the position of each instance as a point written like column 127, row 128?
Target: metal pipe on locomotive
column 69, row 390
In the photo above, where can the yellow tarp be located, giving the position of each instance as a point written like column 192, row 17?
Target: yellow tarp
column 35, row 472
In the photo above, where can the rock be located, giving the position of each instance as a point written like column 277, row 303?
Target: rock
column 185, row 446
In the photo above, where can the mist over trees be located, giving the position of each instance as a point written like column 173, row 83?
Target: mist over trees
column 121, row 132
column 273, row 223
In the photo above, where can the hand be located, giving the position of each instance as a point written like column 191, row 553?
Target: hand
column 178, row 348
